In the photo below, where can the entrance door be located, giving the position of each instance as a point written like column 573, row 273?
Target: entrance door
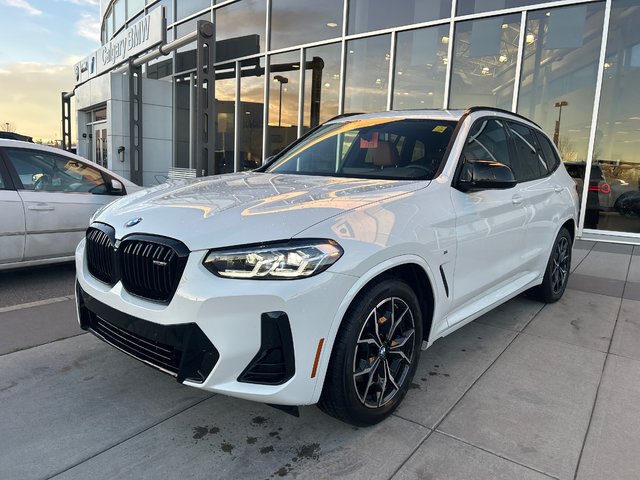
column 98, row 143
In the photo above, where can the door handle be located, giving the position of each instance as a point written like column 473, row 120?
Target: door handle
column 517, row 199
column 41, row 208
column 557, row 188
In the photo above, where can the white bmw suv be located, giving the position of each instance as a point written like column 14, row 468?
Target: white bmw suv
column 319, row 277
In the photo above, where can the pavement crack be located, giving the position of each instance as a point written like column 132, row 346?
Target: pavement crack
column 495, row 454
column 120, row 442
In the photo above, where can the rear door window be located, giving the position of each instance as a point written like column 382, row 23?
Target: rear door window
column 528, row 162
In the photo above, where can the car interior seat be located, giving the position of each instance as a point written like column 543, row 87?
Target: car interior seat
column 385, row 155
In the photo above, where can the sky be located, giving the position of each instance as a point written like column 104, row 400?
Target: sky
column 40, row 41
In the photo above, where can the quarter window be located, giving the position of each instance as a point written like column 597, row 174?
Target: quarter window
column 52, row 173
column 549, row 152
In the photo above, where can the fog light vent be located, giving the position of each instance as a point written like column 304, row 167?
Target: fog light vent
column 274, row 363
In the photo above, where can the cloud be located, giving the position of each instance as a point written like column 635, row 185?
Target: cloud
column 73, row 59
column 88, row 27
column 31, row 97
column 24, row 5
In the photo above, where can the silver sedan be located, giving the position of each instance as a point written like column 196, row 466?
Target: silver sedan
column 46, row 198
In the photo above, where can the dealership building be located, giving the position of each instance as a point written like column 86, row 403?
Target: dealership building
column 202, row 87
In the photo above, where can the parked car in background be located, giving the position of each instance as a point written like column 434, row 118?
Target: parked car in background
column 15, row 136
column 628, row 203
column 317, row 278
column 47, row 196
column 598, row 192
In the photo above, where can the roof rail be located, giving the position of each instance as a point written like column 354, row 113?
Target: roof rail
column 343, row 115
column 501, row 110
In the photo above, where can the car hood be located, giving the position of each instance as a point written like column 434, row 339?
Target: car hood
column 244, row 208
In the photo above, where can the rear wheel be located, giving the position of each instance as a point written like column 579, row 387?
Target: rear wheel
column 375, row 354
column 556, row 274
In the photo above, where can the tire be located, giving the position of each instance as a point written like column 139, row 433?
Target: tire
column 556, row 274
column 375, row 354
column 623, row 204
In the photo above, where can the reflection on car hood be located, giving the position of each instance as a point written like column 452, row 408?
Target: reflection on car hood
column 244, row 208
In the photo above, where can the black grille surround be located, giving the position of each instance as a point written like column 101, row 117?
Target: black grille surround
column 149, row 266
column 181, row 350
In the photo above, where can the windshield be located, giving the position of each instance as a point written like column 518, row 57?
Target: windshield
column 386, row 148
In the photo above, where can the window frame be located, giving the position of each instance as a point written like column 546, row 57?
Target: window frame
column 5, row 175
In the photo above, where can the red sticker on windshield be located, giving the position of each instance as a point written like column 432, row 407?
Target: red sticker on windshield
column 369, row 141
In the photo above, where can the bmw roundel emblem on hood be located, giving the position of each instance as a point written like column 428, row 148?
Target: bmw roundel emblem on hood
column 133, row 221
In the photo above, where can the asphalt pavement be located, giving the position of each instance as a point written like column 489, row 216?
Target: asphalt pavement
column 528, row 391
column 38, row 283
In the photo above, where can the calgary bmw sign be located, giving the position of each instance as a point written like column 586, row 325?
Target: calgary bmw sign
column 139, row 37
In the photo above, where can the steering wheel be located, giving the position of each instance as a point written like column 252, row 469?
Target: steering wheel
column 42, row 182
column 101, row 188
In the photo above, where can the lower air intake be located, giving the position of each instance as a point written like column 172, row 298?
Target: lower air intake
column 181, row 350
column 274, row 363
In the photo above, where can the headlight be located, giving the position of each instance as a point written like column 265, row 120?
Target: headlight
column 278, row 261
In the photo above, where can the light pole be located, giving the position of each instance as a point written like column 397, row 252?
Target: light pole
column 556, row 132
column 280, row 79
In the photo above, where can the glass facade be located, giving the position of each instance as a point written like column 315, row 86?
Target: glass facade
column 225, row 122
column 322, row 84
column 284, row 91
column 367, row 76
column 251, row 121
column 561, row 53
column 616, row 151
column 485, row 52
column 421, row 67
column 313, row 21
column 285, row 66
column 370, row 15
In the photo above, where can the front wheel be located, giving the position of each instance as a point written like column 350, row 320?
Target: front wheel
column 375, row 354
column 556, row 274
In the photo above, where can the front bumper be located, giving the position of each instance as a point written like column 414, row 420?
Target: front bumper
column 182, row 351
column 250, row 339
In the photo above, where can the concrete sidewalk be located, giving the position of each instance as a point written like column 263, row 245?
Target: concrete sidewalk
column 527, row 391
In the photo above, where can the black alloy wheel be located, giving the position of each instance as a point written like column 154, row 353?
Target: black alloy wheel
column 384, row 352
column 556, row 274
column 375, row 354
column 560, row 267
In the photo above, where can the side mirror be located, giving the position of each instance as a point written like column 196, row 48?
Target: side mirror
column 117, row 187
column 484, row 175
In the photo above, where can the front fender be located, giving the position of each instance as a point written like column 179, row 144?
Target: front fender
column 362, row 281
